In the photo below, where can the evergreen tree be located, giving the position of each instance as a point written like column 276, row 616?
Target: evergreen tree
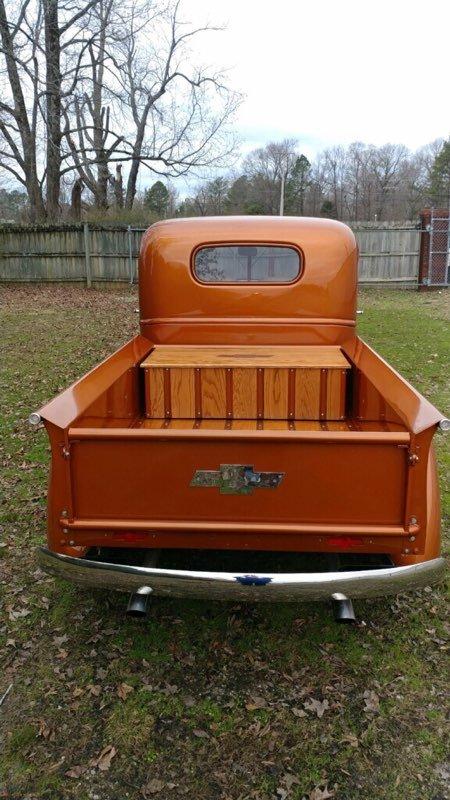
column 440, row 177
column 12, row 204
column 157, row 199
column 328, row 209
column 297, row 185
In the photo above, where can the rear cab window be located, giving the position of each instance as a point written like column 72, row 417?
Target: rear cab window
column 247, row 263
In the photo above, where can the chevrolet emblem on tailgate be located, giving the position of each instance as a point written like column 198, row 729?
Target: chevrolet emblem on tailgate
column 236, row 479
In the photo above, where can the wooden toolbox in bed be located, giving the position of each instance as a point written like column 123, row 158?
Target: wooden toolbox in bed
column 245, row 382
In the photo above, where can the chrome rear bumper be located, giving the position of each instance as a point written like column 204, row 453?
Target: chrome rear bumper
column 228, row 586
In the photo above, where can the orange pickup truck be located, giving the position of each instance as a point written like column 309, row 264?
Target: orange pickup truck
column 248, row 417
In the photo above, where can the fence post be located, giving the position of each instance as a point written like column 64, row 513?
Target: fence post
column 130, row 256
column 87, row 255
column 424, row 251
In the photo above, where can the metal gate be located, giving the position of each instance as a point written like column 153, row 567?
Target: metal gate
column 439, row 253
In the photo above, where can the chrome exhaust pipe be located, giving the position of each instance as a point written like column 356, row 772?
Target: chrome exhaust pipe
column 343, row 608
column 139, row 601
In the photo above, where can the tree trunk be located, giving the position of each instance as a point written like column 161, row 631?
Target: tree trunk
column 132, row 183
column 101, row 192
column 53, row 106
column 118, row 187
column 77, row 188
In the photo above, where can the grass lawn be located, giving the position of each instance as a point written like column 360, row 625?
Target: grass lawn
column 204, row 700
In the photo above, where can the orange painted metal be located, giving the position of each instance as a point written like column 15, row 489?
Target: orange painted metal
column 119, row 480
column 318, row 308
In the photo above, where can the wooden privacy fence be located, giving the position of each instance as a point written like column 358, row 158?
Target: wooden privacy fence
column 389, row 253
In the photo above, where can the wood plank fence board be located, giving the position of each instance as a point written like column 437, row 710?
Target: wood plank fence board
column 389, row 252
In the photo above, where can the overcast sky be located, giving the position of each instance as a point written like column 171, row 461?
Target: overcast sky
column 333, row 71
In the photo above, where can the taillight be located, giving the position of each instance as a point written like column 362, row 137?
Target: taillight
column 345, row 541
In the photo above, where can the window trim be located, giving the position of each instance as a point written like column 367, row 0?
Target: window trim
column 248, row 243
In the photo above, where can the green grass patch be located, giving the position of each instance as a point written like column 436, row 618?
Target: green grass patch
column 220, row 703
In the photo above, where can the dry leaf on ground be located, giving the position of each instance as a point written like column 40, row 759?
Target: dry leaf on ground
column 319, row 793
column 318, row 707
column 75, row 772
column 123, row 690
column 103, row 760
column 371, row 701
column 153, row 787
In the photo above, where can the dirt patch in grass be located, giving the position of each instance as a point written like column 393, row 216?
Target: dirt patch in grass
column 203, row 700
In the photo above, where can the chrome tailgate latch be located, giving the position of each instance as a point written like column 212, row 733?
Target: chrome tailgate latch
column 236, row 479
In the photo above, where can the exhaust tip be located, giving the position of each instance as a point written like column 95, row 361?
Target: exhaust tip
column 343, row 609
column 139, row 602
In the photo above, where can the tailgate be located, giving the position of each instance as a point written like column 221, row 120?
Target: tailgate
column 330, row 482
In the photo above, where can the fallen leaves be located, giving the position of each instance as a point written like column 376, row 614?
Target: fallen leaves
column 123, row 690
column 199, row 734
column 75, row 772
column 287, row 782
column 45, row 731
column 155, row 785
column 351, row 739
column 94, row 689
column 60, row 640
column 371, row 702
column 256, row 703
column 13, row 615
column 298, row 712
column 317, row 707
column 319, row 793
column 102, row 762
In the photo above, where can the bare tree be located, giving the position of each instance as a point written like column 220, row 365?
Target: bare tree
column 93, row 83
column 20, row 33
column 386, row 165
column 209, row 199
column 269, row 167
column 144, row 102
column 35, row 38
column 88, row 137
column 180, row 113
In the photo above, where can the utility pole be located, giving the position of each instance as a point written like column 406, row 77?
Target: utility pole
column 283, row 182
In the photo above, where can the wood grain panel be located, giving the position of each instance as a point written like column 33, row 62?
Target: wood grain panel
column 182, row 385
column 326, row 356
column 181, row 424
column 154, row 392
column 232, row 393
column 151, row 423
column 213, row 424
column 335, row 406
column 310, row 425
column 244, row 393
column 275, row 425
column 213, row 393
column 276, row 393
column 307, row 393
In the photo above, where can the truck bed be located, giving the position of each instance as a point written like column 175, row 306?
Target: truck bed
column 131, row 480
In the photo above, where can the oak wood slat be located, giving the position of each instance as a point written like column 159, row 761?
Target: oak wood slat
column 244, row 393
column 326, row 356
column 246, row 382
